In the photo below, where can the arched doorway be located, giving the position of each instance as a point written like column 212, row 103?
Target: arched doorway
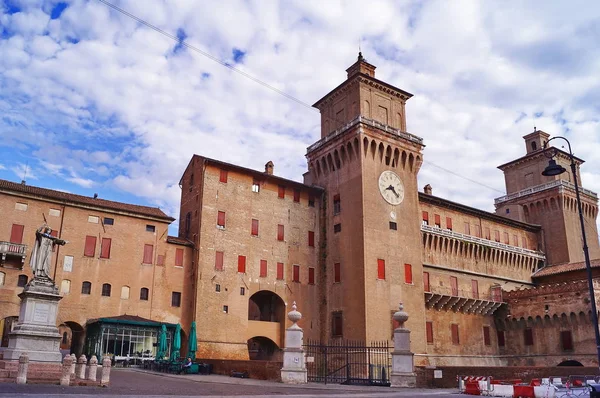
column 261, row 348
column 570, row 362
column 6, row 326
column 72, row 337
column 266, row 325
column 266, row 306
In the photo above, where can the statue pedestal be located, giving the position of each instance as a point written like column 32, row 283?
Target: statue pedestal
column 36, row 332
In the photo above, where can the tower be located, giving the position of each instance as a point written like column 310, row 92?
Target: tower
column 368, row 165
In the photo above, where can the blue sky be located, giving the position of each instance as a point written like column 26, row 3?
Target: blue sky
column 93, row 102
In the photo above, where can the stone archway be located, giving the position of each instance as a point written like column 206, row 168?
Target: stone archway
column 72, row 337
column 262, row 348
column 266, row 318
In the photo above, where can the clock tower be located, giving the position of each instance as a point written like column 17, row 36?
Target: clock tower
column 371, row 252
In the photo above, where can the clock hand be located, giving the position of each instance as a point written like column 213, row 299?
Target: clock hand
column 394, row 191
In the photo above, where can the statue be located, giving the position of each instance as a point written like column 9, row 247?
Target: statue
column 42, row 252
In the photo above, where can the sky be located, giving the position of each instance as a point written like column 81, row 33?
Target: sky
column 92, row 101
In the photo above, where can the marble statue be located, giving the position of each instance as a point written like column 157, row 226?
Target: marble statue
column 42, row 252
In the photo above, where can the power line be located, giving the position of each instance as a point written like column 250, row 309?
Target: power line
column 463, row 177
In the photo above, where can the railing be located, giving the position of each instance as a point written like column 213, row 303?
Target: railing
column 543, row 187
column 480, row 241
column 13, row 248
column 466, row 293
column 370, row 122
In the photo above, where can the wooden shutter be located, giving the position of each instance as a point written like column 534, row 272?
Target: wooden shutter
column 426, row 286
column 223, row 176
column 454, row 285
column 501, row 341
column 429, row 332
column 437, row 220
column 221, row 219
column 380, row 269
column 486, row 335
column 280, row 271
column 254, row 227
column 263, row 268
column 426, row 217
column 296, row 273
column 337, row 275
column 148, row 254
column 90, row 246
column 219, row 261
column 296, row 195
column 280, row 232
column 179, row 257
column 408, row 274
column 567, row 340
column 455, row 337
column 281, row 192
column 478, row 231
column 487, row 234
column 311, row 276
column 506, row 238
column 448, row 223
column 515, row 240
column 496, row 293
column 105, row 248
column 475, row 288
column 497, row 235
column 311, row 238
column 16, row 234
column 467, row 228
column 242, row 264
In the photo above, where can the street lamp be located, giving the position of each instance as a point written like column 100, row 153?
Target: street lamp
column 554, row 169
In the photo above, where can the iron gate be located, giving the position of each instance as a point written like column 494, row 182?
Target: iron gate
column 348, row 362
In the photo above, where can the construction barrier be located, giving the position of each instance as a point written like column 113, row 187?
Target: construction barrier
column 552, row 387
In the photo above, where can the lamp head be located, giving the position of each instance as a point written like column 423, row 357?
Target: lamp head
column 553, row 169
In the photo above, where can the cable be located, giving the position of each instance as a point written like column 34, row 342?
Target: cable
column 463, row 177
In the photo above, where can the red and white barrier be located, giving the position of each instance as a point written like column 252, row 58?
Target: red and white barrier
column 554, row 387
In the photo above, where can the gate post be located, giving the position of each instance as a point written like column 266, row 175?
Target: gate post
column 294, row 368
column 403, row 374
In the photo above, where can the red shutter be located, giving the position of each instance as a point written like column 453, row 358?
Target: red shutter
column 426, row 282
column 219, row 261
column 281, row 192
column 501, row 341
column 242, row 264
column 455, row 338
column 380, row 269
column 515, row 240
column 16, row 234
column 90, row 246
column 221, row 219
column 524, row 243
column 296, row 195
column 475, row 289
column 255, row 227
column 496, row 293
column 179, row 257
column 438, row 222
column 478, row 231
column 105, row 248
column 223, row 176
column 486, row 335
column 311, row 276
column 408, row 274
column 429, row 331
column 337, row 274
column 454, row 285
column 567, row 340
column 467, row 228
column 311, row 238
column 448, row 223
column 426, row 217
column 280, row 271
column 506, row 238
column 280, row 232
column 263, row 268
column 148, row 254
column 296, row 274
column 497, row 235
column 487, row 234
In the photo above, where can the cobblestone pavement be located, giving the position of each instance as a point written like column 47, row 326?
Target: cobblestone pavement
column 134, row 383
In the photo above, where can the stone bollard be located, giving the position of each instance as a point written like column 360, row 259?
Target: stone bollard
column 73, row 363
column 65, row 377
column 105, row 376
column 80, row 368
column 92, row 368
column 294, row 368
column 23, row 365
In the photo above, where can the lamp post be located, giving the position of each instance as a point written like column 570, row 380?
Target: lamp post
column 554, row 169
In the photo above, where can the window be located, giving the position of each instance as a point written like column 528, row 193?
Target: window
column 467, row 228
column 280, row 271
column 179, row 257
column 311, row 276
column 515, row 240
column 478, row 231
column 496, row 293
column 449, row 223
column 393, row 226
column 2, row 277
column 21, row 206
column 86, row 287
column 487, row 234
column 533, row 146
column 226, row 309
column 429, row 331
column 263, row 268
column 65, row 286
column 254, row 231
column 108, row 221
column 296, row 273
column 217, row 288
column 280, row 233
column 337, row 204
column 22, row 280
column 221, row 219
column 528, row 336
column 311, row 238
column 93, row 219
column 144, row 294
column 337, row 273
column 507, row 211
column 497, row 236
column 524, row 242
column 106, row 289
column 125, row 293
column 175, row 299
column 105, row 248
column 90, row 246
column 242, row 264
column 408, row 274
column 336, row 324
column 219, row 261
column 437, row 220
column 475, row 289
column 296, row 195
column 486, row 335
column 454, row 331
column 566, row 339
column 223, row 176
column 501, row 341
column 425, row 218
column 148, row 254
column 54, row 212
column 337, row 228
column 16, row 234
column 150, row 228
column 256, row 186
column 426, row 286
column 380, row 269
column 311, row 201
column 454, row 285
column 506, row 240
column 281, row 192
column 242, row 291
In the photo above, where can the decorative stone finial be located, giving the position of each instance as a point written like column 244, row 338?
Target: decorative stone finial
column 400, row 316
column 294, row 315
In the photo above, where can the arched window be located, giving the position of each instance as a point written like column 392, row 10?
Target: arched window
column 22, row 281
column 106, row 290
column 144, row 294
column 533, row 146
column 86, row 287
column 65, row 286
column 2, row 276
column 124, row 293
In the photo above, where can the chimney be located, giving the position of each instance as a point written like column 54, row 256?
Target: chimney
column 95, row 196
column 269, row 168
column 427, row 189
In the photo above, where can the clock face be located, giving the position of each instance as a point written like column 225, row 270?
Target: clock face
column 391, row 187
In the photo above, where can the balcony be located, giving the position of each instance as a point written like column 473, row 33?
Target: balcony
column 271, row 330
column 543, row 187
column 447, row 299
column 14, row 252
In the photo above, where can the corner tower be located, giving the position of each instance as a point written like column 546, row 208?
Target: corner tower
column 368, row 165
